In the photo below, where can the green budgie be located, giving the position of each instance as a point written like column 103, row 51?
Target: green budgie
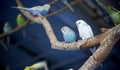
column 20, row 21
column 114, row 14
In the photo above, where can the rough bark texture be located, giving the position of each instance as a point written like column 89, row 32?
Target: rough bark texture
column 103, row 50
column 106, row 40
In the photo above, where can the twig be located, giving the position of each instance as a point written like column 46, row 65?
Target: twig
column 53, row 2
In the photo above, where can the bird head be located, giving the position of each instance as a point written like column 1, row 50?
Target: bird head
column 6, row 24
column 46, row 7
column 80, row 22
column 64, row 29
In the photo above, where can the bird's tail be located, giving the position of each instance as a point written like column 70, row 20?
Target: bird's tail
column 92, row 50
column 68, row 5
column 4, row 46
column 8, row 40
column 20, row 8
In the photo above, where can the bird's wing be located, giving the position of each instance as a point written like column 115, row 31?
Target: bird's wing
column 90, row 31
column 84, row 33
column 40, row 8
column 69, row 36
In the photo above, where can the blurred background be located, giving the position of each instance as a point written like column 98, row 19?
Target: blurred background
column 36, row 47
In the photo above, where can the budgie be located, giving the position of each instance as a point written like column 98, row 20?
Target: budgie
column 114, row 14
column 85, row 32
column 43, row 10
column 21, row 20
column 67, row 4
column 38, row 65
column 68, row 34
column 7, row 28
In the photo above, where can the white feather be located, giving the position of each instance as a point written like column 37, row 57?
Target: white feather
column 85, row 31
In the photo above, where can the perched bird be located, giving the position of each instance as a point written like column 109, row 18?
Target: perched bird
column 68, row 34
column 21, row 20
column 7, row 28
column 85, row 32
column 113, row 13
column 43, row 10
column 67, row 4
column 37, row 66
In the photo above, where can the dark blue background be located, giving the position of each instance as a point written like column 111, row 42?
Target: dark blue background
column 36, row 46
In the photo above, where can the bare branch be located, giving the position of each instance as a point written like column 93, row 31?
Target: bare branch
column 53, row 2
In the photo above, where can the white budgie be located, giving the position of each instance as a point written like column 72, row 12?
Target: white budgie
column 85, row 31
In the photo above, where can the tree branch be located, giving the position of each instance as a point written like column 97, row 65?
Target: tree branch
column 106, row 40
column 103, row 50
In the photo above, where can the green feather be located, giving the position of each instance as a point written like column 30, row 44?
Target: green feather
column 20, row 19
column 114, row 15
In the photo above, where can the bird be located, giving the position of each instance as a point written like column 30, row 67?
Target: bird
column 113, row 13
column 21, row 20
column 7, row 28
column 38, row 65
column 67, row 4
column 85, row 31
column 43, row 10
column 68, row 34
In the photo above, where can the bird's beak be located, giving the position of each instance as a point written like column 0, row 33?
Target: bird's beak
column 78, row 23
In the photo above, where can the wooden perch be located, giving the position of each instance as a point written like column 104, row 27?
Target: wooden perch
column 106, row 40
column 101, row 53
column 103, row 29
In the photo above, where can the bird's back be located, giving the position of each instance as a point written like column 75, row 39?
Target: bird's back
column 70, row 36
column 85, row 32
